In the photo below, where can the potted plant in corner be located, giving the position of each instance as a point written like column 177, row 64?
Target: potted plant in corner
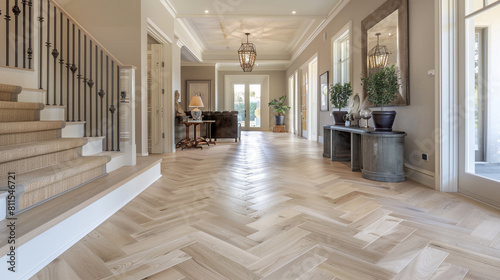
column 382, row 86
column 339, row 96
column 279, row 107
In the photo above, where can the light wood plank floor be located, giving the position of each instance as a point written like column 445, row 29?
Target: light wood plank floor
column 271, row 207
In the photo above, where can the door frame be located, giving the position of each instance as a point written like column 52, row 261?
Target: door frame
column 450, row 86
column 312, row 98
column 168, row 101
column 230, row 80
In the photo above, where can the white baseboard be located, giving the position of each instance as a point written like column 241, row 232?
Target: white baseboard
column 321, row 139
column 419, row 175
column 43, row 249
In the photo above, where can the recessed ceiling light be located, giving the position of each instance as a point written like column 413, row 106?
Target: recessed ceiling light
column 206, row 11
column 294, row 12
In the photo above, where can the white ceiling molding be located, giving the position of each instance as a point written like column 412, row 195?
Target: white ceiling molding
column 332, row 14
column 187, row 39
column 170, row 8
column 296, row 41
column 156, row 32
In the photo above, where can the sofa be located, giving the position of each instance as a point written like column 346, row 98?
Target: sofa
column 226, row 125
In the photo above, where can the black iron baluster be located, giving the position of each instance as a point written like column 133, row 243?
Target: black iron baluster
column 90, row 83
column 48, row 45
column 107, row 102
column 61, row 62
column 118, row 107
column 40, row 66
column 55, row 54
column 17, row 11
column 79, row 74
column 25, row 2
column 67, row 70
column 84, row 84
column 97, row 95
column 7, row 43
column 101, row 93
column 73, row 69
column 30, row 49
column 112, row 108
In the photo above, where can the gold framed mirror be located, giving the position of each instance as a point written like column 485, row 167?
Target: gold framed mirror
column 386, row 30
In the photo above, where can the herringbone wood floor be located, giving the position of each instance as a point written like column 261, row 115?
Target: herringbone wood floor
column 272, row 207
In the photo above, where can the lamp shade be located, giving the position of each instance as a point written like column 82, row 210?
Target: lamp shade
column 247, row 55
column 196, row 101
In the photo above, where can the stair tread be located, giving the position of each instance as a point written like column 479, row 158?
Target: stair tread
column 21, row 105
column 26, row 150
column 10, row 88
column 54, row 173
column 33, row 126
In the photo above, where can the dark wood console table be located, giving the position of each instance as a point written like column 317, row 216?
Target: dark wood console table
column 187, row 143
column 378, row 155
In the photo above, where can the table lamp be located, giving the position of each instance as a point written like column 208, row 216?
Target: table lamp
column 196, row 102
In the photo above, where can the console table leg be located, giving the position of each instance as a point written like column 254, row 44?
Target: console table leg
column 355, row 152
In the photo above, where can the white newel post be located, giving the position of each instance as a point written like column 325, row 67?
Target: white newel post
column 127, row 114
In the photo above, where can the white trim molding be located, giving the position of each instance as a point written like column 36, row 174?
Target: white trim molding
column 419, row 175
column 447, row 120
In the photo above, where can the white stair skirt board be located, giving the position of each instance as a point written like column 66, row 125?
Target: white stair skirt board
column 73, row 130
column 93, row 146
column 117, row 160
column 32, row 95
column 52, row 113
column 34, row 255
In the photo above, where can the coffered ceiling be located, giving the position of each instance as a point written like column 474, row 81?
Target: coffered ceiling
column 280, row 29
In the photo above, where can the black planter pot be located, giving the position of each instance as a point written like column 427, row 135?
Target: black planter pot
column 279, row 120
column 383, row 120
column 338, row 117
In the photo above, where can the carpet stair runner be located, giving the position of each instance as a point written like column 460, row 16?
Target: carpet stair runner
column 45, row 164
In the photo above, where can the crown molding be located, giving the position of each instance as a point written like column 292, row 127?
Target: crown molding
column 170, row 8
column 332, row 14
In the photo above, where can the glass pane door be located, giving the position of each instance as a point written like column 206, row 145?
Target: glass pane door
column 239, row 102
column 255, row 106
column 479, row 174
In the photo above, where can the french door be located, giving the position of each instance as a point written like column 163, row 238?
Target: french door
column 479, row 137
column 248, row 103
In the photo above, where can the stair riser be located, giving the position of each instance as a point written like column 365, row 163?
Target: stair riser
column 16, row 115
column 73, row 130
column 32, row 198
column 23, row 165
column 19, row 138
column 53, row 113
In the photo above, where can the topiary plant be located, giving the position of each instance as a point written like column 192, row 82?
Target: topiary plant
column 339, row 95
column 382, row 86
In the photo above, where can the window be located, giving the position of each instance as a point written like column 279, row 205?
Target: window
column 341, row 58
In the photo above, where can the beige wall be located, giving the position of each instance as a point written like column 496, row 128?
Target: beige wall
column 418, row 118
column 197, row 73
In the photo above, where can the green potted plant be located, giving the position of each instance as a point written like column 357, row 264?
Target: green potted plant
column 280, row 107
column 339, row 96
column 382, row 87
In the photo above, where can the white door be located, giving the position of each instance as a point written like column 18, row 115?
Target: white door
column 155, row 99
column 479, row 122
